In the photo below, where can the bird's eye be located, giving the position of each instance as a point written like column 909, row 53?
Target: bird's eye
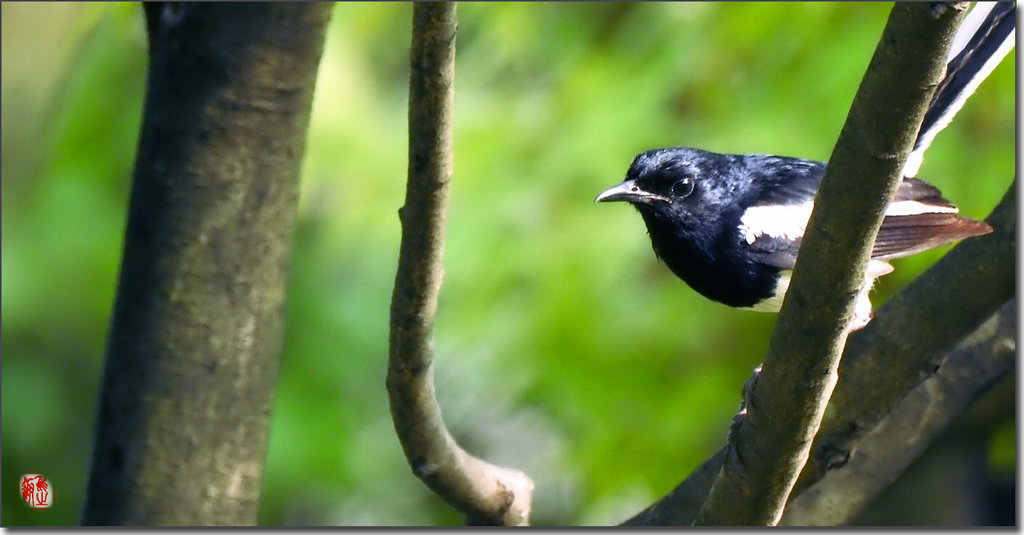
column 682, row 187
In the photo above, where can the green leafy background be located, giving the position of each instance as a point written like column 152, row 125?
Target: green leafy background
column 563, row 347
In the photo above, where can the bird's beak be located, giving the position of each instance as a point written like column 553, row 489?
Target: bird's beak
column 628, row 191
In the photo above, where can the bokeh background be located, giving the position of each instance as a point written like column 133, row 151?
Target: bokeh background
column 563, row 347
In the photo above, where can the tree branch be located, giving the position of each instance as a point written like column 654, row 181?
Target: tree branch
column 192, row 357
column 933, row 314
column 771, row 443
column 913, row 332
column 486, row 493
column 885, row 450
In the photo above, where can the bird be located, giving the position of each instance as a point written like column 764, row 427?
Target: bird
column 730, row 225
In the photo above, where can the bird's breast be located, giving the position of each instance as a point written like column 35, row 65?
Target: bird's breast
column 718, row 268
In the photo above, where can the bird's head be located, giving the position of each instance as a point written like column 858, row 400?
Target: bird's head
column 674, row 186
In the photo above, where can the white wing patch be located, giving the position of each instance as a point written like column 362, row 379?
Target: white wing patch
column 778, row 221
column 914, row 208
column 790, row 221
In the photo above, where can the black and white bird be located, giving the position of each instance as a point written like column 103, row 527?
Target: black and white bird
column 730, row 225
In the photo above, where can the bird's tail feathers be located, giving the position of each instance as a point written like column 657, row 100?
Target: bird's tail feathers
column 984, row 38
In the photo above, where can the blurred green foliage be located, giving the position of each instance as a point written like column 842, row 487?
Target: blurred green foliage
column 563, row 347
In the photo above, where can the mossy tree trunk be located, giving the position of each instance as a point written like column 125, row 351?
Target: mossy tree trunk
column 192, row 355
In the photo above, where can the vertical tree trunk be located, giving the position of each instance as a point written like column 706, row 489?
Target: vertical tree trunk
column 192, row 355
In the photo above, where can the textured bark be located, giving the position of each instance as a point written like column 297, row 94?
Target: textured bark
column 884, row 451
column 904, row 345
column 486, row 493
column 192, row 355
column 770, row 444
column 913, row 333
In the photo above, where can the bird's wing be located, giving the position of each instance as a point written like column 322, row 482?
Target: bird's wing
column 919, row 218
column 782, row 254
column 785, row 181
column 906, row 235
column 774, row 221
column 773, row 225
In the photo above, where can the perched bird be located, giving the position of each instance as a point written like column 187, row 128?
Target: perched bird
column 730, row 225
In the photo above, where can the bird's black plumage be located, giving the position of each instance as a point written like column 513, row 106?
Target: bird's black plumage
column 693, row 201
column 731, row 225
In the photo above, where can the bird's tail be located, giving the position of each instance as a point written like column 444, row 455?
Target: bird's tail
column 984, row 38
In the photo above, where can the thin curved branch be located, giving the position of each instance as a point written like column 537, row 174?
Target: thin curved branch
column 486, row 493
column 771, row 443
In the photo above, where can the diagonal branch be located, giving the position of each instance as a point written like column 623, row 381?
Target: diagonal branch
column 771, row 443
column 888, row 448
column 486, row 493
column 914, row 331
column 937, row 310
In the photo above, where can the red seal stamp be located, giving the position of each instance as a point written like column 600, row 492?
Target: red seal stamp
column 36, row 491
